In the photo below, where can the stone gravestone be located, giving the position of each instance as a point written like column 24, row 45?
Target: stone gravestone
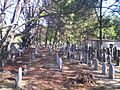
column 13, row 58
column 104, row 55
column 90, row 63
column 96, row 64
column 20, row 52
column 18, row 78
column 30, row 59
column 33, row 53
column 104, row 68
column 57, row 57
column 111, row 71
column 117, row 61
column 109, row 59
column 60, row 64
column 50, row 49
column 25, row 70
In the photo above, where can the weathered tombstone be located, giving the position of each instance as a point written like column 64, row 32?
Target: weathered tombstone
column 57, row 57
column 30, row 59
column 9, row 56
column 104, row 55
column 109, row 59
column 25, row 70
column 96, row 64
column 104, row 68
column 111, row 71
column 20, row 52
column 60, row 64
column 50, row 49
column 90, row 63
column 13, row 58
column 117, row 61
column 18, row 78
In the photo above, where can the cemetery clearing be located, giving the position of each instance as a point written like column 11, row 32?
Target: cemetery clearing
column 44, row 74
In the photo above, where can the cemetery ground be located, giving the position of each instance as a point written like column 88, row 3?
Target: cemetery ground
column 44, row 74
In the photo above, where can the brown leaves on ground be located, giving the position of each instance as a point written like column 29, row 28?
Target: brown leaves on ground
column 45, row 75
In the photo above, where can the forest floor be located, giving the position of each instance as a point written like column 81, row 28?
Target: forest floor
column 44, row 74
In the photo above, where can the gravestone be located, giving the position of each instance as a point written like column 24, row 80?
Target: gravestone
column 20, row 52
column 104, row 68
column 117, row 61
column 57, row 57
column 18, row 78
column 60, row 63
column 111, row 71
column 109, row 59
column 50, row 49
column 96, row 64
column 25, row 70
column 90, row 63
column 30, row 59
column 13, row 58
column 104, row 55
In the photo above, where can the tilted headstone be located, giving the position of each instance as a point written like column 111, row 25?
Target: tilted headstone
column 111, row 71
column 96, row 64
column 60, row 64
column 104, row 68
column 18, row 77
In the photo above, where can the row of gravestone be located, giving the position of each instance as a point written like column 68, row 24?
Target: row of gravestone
column 111, row 69
column 96, row 65
column 20, row 72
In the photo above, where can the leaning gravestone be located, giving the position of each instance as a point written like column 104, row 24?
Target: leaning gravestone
column 96, row 64
column 104, row 68
column 111, row 71
column 18, row 78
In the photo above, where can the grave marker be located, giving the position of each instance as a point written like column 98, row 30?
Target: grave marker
column 96, row 64
column 18, row 77
column 25, row 70
column 13, row 58
column 111, row 71
column 104, row 68
column 60, row 64
column 109, row 59
column 30, row 59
